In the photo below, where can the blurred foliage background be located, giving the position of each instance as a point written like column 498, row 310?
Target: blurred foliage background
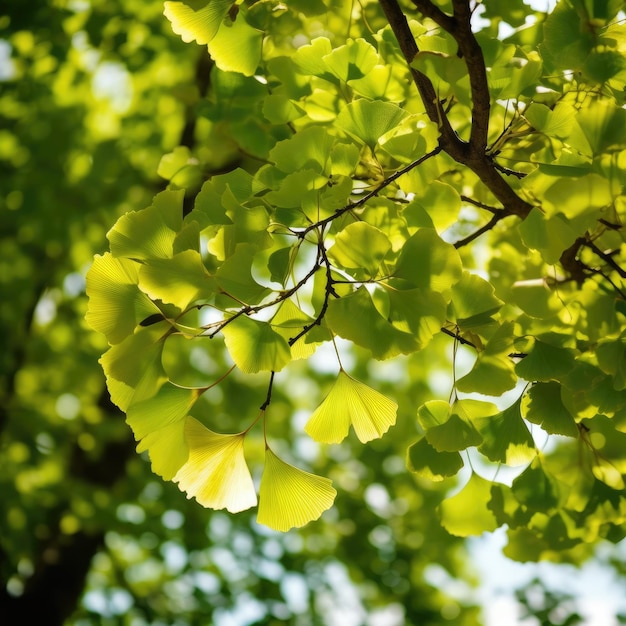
column 92, row 94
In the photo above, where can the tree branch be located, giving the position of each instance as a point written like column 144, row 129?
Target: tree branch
column 472, row 154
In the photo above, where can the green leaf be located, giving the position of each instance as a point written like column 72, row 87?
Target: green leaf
column 197, row 20
column 427, row 462
column 550, row 235
column 612, row 360
column 367, row 121
column 237, row 47
column 506, row 438
column 535, row 489
column 545, row 362
column 351, row 402
column 451, row 428
column 135, row 363
column 149, row 233
column 234, row 276
column 288, row 322
column 309, row 59
column 355, row 317
column 310, row 148
column 181, row 280
column 419, row 311
column 116, row 305
column 473, row 301
column 351, row 61
column 493, row 372
column 255, row 347
column 180, row 167
column 216, row 473
column 466, row 513
column 290, row 497
column 360, row 246
column 543, row 405
column 448, row 73
column 427, row 262
column 158, row 423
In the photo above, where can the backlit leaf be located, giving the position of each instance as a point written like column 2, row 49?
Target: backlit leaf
column 543, row 405
column 351, row 402
column 254, row 346
column 426, row 261
column 427, row 462
column 197, row 20
column 237, row 47
column 506, row 438
column 360, row 246
column 466, row 513
column 355, row 317
column 216, row 474
column 116, row 305
column 367, row 121
column 149, row 233
column 180, row 280
column 234, row 276
column 473, row 301
column 353, row 60
column 290, row 497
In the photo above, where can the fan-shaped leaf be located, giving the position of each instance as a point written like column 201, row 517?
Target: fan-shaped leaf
column 290, row 497
column 351, row 402
column 216, row 474
column 367, row 121
column 427, row 462
column 467, row 513
column 116, row 305
column 360, row 246
column 254, row 346
column 197, row 20
column 149, row 233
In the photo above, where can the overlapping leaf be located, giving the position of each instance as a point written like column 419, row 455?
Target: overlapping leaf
column 351, row 402
column 216, row 474
column 290, row 497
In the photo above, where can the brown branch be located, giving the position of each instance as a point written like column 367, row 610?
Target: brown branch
column 361, row 201
column 472, row 154
column 480, row 205
column 483, row 229
column 607, row 258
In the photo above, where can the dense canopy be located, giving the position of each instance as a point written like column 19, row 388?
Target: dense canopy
column 359, row 272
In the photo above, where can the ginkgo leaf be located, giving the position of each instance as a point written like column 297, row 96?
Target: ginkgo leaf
column 236, row 47
column 360, row 246
column 216, row 473
column 356, row 318
column 366, row 121
column 466, row 513
column 351, row 402
column 116, row 305
column 170, row 404
column 506, row 438
column 167, row 449
column 136, row 362
column 255, row 346
column 234, row 276
column 149, row 233
column 427, row 462
column 178, row 281
column 353, row 60
column 473, row 301
column 196, row 20
column 289, row 321
column 290, row 497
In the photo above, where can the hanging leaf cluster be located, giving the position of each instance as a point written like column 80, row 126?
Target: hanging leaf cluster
column 461, row 185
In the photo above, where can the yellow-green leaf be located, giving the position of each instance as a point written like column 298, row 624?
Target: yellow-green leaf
column 216, row 473
column 255, row 346
column 351, row 402
column 197, row 20
column 290, row 497
column 467, row 513
column 116, row 305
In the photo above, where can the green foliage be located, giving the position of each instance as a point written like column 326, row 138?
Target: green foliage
column 336, row 224
column 302, row 249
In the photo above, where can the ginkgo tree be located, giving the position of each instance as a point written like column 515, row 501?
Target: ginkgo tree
column 413, row 170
